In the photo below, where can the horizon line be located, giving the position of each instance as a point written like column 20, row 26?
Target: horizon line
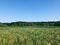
column 29, row 21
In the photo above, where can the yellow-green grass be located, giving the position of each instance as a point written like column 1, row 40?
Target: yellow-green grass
column 29, row 36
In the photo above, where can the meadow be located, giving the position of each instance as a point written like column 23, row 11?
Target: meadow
column 29, row 36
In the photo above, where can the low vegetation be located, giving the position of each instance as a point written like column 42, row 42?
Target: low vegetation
column 30, row 33
column 29, row 36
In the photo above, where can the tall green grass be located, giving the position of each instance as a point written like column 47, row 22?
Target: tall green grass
column 29, row 36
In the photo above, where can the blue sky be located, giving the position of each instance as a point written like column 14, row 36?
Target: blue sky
column 29, row 10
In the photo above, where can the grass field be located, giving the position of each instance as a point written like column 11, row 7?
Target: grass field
column 29, row 36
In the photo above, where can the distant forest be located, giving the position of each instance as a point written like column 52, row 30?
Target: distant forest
column 20, row 23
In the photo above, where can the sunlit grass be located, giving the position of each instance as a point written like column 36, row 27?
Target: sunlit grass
column 29, row 36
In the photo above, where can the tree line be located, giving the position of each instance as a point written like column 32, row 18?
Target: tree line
column 57, row 23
